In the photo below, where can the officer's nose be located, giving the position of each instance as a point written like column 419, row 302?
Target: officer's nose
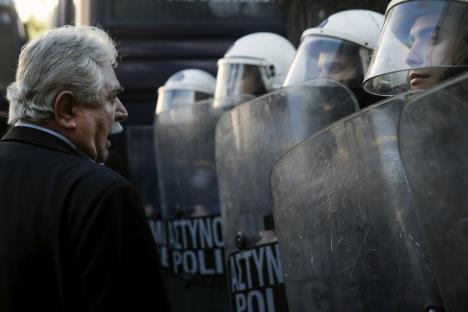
column 323, row 73
column 416, row 55
column 121, row 113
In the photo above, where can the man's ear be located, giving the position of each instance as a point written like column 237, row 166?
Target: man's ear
column 64, row 105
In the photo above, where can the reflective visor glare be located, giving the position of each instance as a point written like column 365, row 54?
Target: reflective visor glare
column 326, row 57
column 423, row 43
column 177, row 98
column 239, row 79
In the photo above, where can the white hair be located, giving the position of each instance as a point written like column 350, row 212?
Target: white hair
column 66, row 58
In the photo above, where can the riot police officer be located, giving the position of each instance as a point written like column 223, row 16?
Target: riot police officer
column 254, row 65
column 422, row 44
column 340, row 48
column 351, row 230
column 424, row 50
column 185, row 87
column 249, row 139
column 188, row 195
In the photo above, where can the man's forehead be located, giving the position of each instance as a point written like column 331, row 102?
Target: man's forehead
column 110, row 80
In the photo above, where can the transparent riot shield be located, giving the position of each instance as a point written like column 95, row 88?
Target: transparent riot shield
column 249, row 139
column 346, row 223
column 433, row 144
column 190, row 205
column 143, row 175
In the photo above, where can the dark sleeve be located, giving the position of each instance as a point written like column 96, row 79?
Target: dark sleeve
column 117, row 257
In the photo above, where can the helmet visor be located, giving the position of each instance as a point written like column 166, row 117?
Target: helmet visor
column 169, row 99
column 327, row 57
column 422, row 43
column 239, row 79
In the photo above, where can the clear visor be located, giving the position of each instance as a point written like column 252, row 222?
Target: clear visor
column 422, row 44
column 326, row 57
column 239, row 79
column 168, row 99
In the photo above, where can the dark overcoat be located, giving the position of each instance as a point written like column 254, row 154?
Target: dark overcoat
column 73, row 234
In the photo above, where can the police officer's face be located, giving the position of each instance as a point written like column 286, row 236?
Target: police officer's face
column 97, row 121
column 250, row 82
column 432, row 44
column 336, row 66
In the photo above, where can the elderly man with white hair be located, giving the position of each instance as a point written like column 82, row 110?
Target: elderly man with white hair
column 73, row 234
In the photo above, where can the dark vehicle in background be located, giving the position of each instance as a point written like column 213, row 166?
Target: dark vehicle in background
column 12, row 38
column 159, row 38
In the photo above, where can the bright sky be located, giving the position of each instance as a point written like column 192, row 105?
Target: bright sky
column 41, row 9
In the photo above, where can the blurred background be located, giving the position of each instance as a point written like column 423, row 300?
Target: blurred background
column 157, row 38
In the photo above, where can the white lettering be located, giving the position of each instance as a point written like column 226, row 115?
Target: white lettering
column 240, row 303
column 218, row 232
column 255, row 300
column 255, row 294
column 270, row 300
column 239, row 270
column 190, row 262
column 258, row 256
column 234, row 285
column 195, row 240
column 206, row 234
column 202, row 264
column 247, row 255
column 275, row 271
column 192, row 225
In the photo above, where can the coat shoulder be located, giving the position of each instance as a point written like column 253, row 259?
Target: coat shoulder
column 95, row 177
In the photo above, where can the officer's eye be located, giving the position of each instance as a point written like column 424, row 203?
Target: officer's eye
column 410, row 42
column 434, row 38
column 335, row 68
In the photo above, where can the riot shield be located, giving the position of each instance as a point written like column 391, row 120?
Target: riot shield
column 346, row 224
column 190, row 205
column 433, row 144
column 143, row 175
column 249, row 139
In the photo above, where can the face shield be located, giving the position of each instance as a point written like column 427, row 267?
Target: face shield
column 422, row 43
column 327, row 57
column 240, row 79
column 168, row 99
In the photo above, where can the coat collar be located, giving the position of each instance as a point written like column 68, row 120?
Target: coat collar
column 38, row 138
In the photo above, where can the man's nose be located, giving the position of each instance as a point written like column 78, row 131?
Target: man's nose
column 121, row 113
